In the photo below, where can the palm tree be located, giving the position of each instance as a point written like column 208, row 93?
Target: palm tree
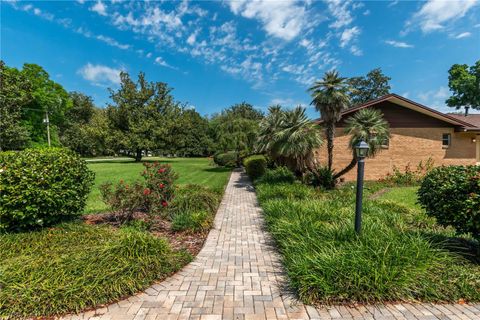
column 289, row 137
column 330, row 98
column 367, row 125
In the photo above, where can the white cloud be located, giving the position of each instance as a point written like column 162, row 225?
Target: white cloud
column 398, row 44
column 434, row 14
column 282, row 19
column 435, row 98
column 100, row 8
column 340, row 11
column 100, row 74
column 163, row 63
column 463, row 35
column 348, row 35
column 112, row 42
column 356, row 51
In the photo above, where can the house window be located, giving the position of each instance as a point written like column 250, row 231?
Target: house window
column 446, row 140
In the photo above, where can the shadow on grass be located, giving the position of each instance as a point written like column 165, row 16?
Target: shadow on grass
column 466, row 248
column 217, row 169
column 129, row 161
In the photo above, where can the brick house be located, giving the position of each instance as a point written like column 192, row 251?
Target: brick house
column 417, row 133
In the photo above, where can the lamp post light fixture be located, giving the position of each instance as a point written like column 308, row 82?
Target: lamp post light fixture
column 361, row 151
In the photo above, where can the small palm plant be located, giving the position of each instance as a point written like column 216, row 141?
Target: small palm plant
column 367, row 125
column 289, row 137
column 330, row 97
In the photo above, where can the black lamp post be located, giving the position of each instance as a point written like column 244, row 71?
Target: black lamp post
column 361, row 151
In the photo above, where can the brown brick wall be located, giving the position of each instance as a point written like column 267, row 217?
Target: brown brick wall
column 408, row 146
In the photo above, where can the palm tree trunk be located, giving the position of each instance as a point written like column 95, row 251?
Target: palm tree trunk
column 349, row 167
column 330, row 132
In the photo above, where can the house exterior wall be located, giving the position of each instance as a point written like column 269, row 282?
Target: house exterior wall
column 408, row 146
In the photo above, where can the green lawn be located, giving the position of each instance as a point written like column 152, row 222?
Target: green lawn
column 190, row 171
column 406, row 196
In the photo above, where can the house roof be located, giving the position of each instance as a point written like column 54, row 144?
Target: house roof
column 399, row 100
column 473, row 119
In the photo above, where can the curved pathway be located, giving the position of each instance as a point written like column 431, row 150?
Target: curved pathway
column 238, row 275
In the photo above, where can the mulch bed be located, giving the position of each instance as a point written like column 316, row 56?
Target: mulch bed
column 179, row 240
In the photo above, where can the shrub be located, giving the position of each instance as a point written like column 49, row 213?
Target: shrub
column 159, row 186
column 41, row 187
column 255, row 166
column 124, row 199
column 199, row 221
column 227, row 159
column 452, row 195
column 277, row 175
column 409, row 176
column 321, row 177
column 194, row 198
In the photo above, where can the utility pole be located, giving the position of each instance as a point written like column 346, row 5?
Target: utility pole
column 47, row 122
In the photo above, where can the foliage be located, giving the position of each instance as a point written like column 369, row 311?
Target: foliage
column 399, row 255
column 236, row 128
column 321, row 177
column 124, row 199
column 289, row 138
column 194, row 198
column 190, row 170
column 159, row 186
column 200, row 221
column 15, row 93
column 137, row 110
column 366, row 88
column 409, row 176
column 76, row 266
column 41, row 187
column 464, row 82
column 277, row 175
column 452, row 195
column 330, row 97
column 365, row 125
column 227, row 159
column 255, row 166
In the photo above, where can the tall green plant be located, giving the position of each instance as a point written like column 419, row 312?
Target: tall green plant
column 330, row 97
column 367, row 125
column 289, row 138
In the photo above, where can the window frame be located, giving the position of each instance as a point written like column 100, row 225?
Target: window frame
column 446, row 137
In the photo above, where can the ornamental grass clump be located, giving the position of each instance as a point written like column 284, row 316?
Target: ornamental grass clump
column 400, row 255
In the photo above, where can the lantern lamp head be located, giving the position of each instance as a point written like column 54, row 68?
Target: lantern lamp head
column 361, row 149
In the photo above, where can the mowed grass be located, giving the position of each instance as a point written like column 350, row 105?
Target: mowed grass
column 401, row 255
column 74, row 266
column 406, row 196
column 190, row 171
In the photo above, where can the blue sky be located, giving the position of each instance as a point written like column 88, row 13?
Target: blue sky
column 217, row 53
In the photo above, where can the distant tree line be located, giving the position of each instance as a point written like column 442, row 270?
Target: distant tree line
column 142, row 117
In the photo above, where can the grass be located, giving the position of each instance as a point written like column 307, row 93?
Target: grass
column 75, row 266
column 406, row 196
column 190, row 171
column 401, row 255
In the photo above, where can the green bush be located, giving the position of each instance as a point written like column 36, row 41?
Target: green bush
column 194, row 198
column 199, row 221
column 75, row 266
column 452, row 195
column 277, row 175
column 321, row 177
column 255, row 166
column 41, row 187
column 227, row 159
column 124, row 199
column 398, row 256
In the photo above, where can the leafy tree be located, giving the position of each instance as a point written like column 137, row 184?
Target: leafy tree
column 236, row 128
column 15, row 93
column 138, row 113
column 289, row 137
column 47, row 96
column 374, row 85
column 367, row 125
column 464, row 82
column 330, row 98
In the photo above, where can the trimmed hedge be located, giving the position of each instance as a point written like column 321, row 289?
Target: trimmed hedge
column 227, row 159
column 452, row 195
column 277, row 175
column 255, row 165
column 41, row 187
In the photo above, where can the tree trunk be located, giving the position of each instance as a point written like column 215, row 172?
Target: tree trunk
column 349, row 167
column 330, row 133
column 138, row 155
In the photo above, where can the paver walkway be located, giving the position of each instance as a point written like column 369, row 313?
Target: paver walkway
column 238, row 275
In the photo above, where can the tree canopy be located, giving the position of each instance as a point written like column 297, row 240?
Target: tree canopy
column 464, row 82
column 365, row 88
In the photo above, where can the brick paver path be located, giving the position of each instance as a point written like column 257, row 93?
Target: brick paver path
column 238, row 275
